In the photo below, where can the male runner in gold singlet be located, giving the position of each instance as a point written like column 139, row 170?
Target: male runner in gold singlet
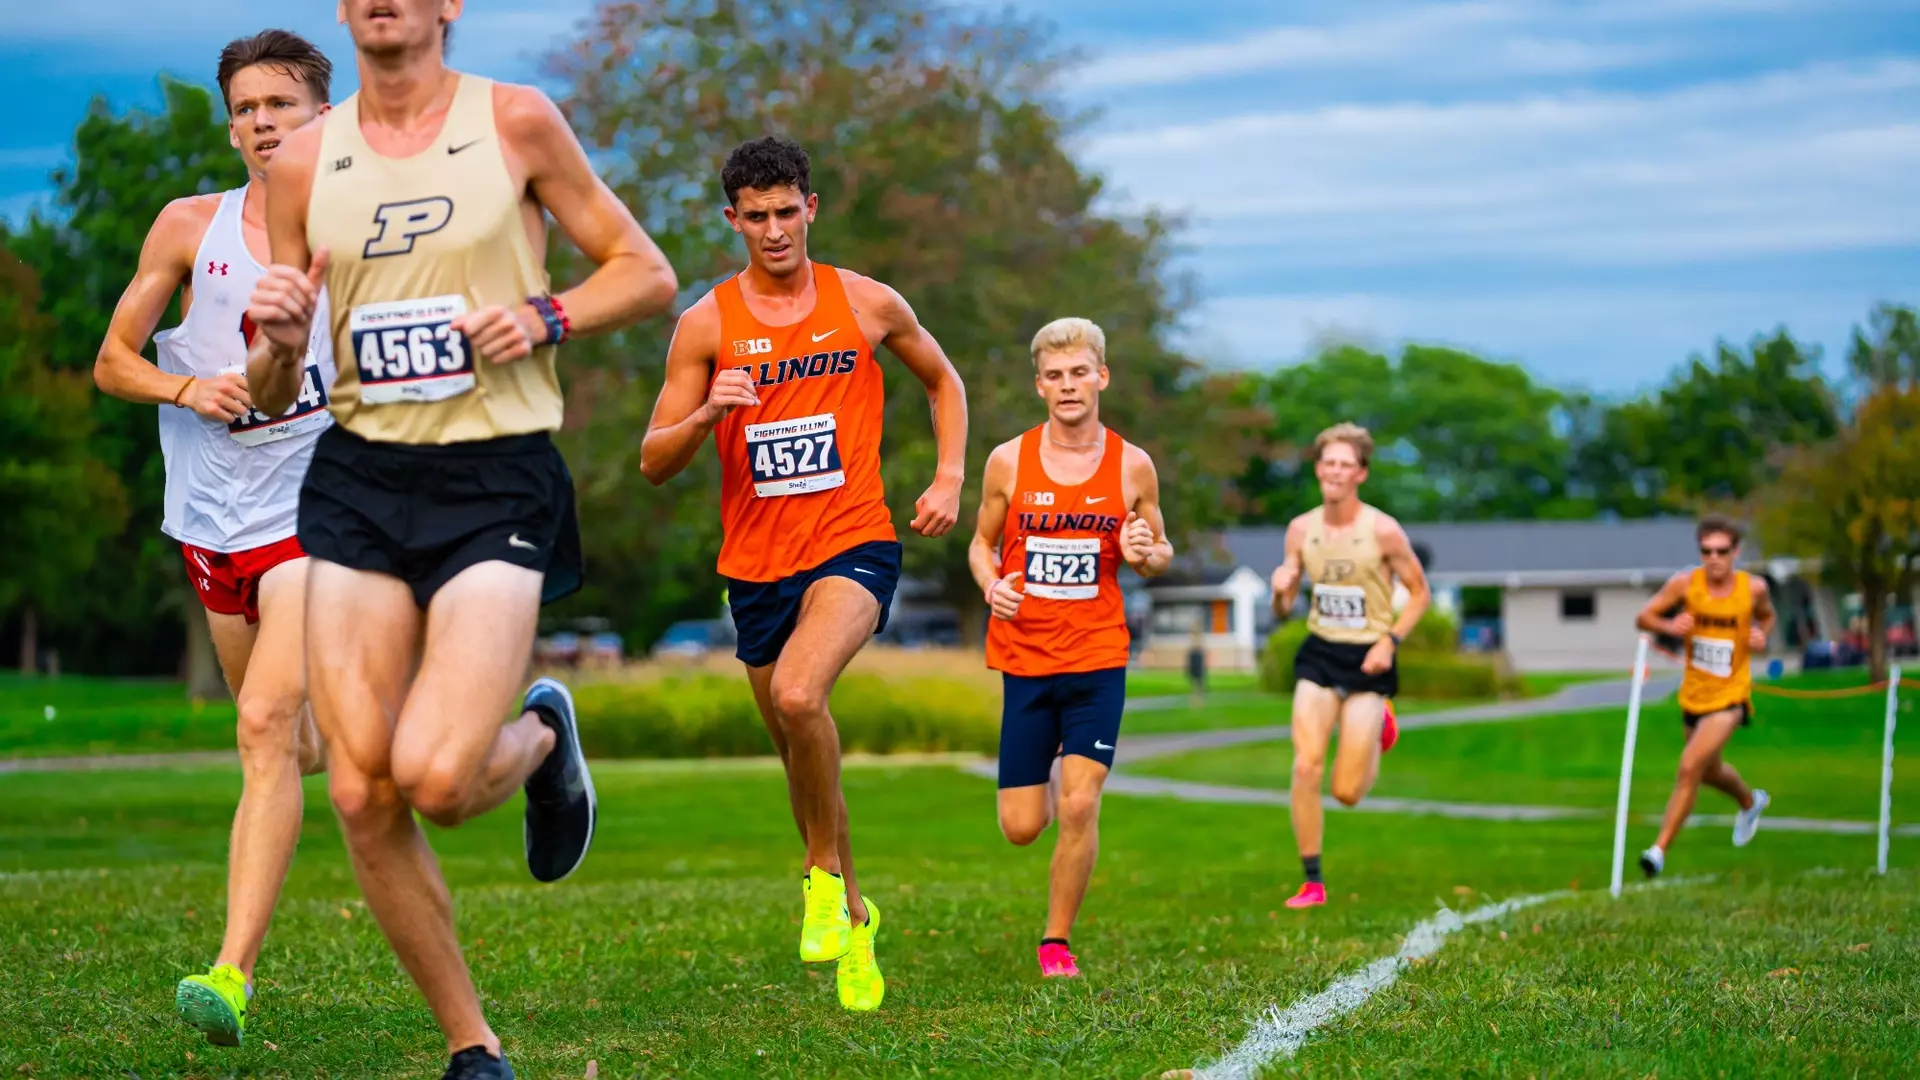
column 437, row 511
column 1726, row 617
column 1346, row 669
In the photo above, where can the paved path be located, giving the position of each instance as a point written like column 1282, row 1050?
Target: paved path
column 176, row 760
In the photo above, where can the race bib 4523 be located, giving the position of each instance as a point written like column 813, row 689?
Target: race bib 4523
column 1062, row 569
column 794, row 457
column 409, row 352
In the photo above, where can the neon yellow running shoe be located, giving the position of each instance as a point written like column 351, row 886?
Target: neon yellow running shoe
column 826, row 933
column 861, row 987
column 216, row 1003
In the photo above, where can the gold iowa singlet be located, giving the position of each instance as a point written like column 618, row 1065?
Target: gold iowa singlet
column 415, row 242
column 1718, row 673
column 1352, row 586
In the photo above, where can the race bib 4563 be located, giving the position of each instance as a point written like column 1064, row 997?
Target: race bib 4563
column 1063, row 569
column 794, row 457
column 408, row 350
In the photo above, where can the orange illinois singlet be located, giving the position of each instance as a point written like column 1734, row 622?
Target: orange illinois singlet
column 800, row 472
column 1066, row 539
column 1718, row 673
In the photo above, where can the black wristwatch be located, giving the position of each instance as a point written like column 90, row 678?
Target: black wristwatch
column 1396, row 640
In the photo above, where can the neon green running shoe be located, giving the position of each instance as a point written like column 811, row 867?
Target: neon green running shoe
column 826, row 933
column 216, row 1003
column 861, row 986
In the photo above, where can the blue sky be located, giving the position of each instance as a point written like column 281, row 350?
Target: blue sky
column 1593, row 189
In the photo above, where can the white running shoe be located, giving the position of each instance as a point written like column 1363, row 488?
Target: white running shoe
column 1652, row 861
column 1748, row 821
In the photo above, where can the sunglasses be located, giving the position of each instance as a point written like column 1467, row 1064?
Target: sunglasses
column 1716, row 551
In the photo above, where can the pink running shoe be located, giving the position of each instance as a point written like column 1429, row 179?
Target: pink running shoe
column 1312, row 894
column 1057, row 963
column 1389, row 729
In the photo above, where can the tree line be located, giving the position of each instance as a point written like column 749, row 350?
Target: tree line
column 940, row 148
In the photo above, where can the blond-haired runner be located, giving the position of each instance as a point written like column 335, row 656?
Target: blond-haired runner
column 233, row 486
column 1346, row 670
column 438, row 513
column 1062, row 507
column 1726, row 616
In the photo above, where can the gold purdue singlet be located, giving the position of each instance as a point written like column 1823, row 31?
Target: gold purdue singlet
column 415, row 242
column 1352, row 587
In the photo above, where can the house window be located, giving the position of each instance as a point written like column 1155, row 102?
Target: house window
column 1576, row 607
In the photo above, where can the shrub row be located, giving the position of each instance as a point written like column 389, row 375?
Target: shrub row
column 1430, row 669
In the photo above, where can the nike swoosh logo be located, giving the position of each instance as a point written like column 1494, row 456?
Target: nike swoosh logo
column 1091, row 499
column 857, row 570
column 519, row 543
column 462, row 146
column 1098, row 745
column 818, row 338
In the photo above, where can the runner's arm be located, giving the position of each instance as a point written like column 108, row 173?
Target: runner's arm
column 1764, row 614
column 1653, row 618
column 1286, row 576
column 274, row 372
column 166, row 261
column 682, row 415
column 633, row 280
column 1146, row 503
column 1405, row 565
column 983, row 554
column 939, row 508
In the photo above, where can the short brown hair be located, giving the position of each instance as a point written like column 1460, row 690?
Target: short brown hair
column 1352, row 434
column 1717, row 523
column 283, row 49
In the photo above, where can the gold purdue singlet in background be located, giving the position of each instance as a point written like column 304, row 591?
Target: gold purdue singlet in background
column 1352, row 587
column 415, row 242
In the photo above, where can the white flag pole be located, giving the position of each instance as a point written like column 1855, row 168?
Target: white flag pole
column 1626, row 762
column 1886, row 767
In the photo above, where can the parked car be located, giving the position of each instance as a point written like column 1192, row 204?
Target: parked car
column 695, row 637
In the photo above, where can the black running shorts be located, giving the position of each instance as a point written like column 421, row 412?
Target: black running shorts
column 1336, row 666
column 424, row 513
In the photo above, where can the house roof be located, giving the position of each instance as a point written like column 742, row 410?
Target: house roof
column 1514, row 553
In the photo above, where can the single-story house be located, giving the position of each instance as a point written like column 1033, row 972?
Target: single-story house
column 1567, row 592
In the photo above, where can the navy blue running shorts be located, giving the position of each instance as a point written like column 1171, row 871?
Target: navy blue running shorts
column 1049, row 716
column 765, row 612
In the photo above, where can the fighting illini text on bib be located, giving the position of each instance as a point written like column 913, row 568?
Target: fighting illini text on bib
column 235, row 486
column 415, row 242
column 1066, row 540
column 1717, row 675
column 1352, row 586
column 800, row 472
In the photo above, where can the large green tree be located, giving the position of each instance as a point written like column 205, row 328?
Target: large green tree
column 131, row 610
column 941, row 162
column 61, row 501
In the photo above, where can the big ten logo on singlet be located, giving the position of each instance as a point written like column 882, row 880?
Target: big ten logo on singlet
column 255, row 428
column 1341, row 606
column 1063, row 569
column 752, row 346
column 1713, row 656
column 793, row 368
column 399, row 224
column 409, row 352
column 1037, row 498
column 794, row 457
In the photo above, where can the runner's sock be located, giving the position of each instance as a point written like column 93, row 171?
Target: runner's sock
column 1311, row 864
column 1060, row 941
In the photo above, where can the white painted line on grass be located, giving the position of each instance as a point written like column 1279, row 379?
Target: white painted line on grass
column 1282, row 1031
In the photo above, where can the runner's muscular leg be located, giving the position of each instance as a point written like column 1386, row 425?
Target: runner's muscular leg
column 1078, row 844
column 761, row 679
column 452, row 756
column 1357, row 762
column 1315, row 709
column 363, row 639
column 837, row 616
column 272, row 708
column 1702, row 750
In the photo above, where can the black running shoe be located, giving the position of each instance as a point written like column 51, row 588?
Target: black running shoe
column 560, row 802
column 474, row 1063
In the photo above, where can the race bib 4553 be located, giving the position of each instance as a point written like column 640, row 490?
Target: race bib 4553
column 1341, row 606
column 794, row 457
column 408, row 350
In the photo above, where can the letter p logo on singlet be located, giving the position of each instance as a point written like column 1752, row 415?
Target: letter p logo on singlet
column 401, row 223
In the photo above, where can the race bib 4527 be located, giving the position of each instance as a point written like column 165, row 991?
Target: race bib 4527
column 1062, row 569
column 409, row 352
column 794, row 457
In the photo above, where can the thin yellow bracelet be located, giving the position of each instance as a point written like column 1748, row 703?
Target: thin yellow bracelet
column 182, row 392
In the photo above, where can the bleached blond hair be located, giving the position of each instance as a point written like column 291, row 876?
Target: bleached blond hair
column 1062, row 335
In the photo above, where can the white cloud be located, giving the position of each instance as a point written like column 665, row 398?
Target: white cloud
column 1809, row 160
